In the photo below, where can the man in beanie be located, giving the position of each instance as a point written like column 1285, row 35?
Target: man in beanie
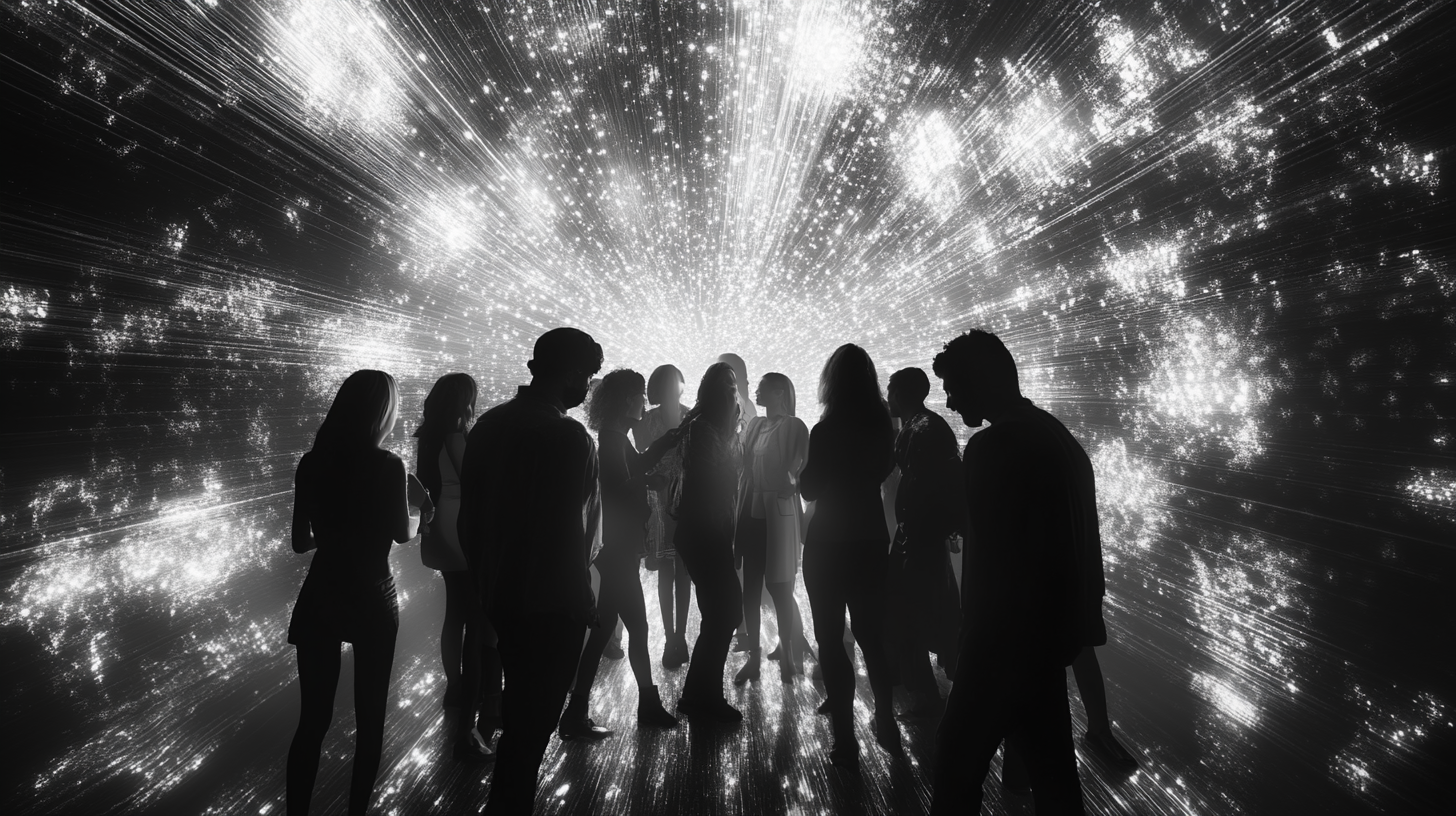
column 530, row 510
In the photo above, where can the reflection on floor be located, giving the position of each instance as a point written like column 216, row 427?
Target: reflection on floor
column 775, row 762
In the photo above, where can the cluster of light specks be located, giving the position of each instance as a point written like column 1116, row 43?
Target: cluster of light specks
column 1109, row 187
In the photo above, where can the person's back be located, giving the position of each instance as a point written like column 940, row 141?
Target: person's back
column 1020, row 565
column 347, row 516
column 849, row 458
column 931, row 497
column 529, row 487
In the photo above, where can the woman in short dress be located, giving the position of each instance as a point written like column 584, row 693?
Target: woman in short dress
column 352, row 501
column 664, row 390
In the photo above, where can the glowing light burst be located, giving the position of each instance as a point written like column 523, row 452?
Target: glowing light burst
column 1184, row 218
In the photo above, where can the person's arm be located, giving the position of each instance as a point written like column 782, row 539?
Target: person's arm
column 659, row 448
column 814, row 477
column 397, row 490
column 303, row 488
column 455, row 449
column 798, row 448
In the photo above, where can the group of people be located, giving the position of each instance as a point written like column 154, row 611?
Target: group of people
column 523, row 512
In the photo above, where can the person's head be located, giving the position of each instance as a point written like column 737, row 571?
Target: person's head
column 617, row 398
column 665, row 386
column 907, row 391
column 849, row 384
column 564, row 361
column 776, row 392
column 718, row 394
column 362, row 415
column 450, row 404
column 979, row 376
column 740, row 368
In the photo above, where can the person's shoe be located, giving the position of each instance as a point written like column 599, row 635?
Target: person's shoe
column 676, row 653
column 715, row 710
column 581, row 727
column 823, row 707
column 887, row 733
column 845, row 756
column 489, row 721
column 927, row 706
column 1106, row 745
column 749, row 670
column 650, row 711
column 472, row 748
column 613, row 651
column 787, row 670
column 740, row 643
column 774, row 655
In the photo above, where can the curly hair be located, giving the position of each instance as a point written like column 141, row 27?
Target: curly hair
column 981, row 356
column 611, row 395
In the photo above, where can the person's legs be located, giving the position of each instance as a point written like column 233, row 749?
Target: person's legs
column 489, row 719
column 710, row 563
column 1092, row 689
column 462, row 668
column 786, row 611
column 908, row 627
column 318, row 676
column 976, row 719
column 684, row 589
column 1045, row 742
column 866, row 601
column 666, row 578
column 632, row 610
column 373, row 662
column 539, row 655
column 754, row 548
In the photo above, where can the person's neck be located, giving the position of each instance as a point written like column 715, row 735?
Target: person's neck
column 672, row 411
column 619, row 424
column 912, row 411
column 547, row 390
column 1003, row 408
column 774, row 412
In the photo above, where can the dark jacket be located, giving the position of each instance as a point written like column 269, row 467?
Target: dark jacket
column 711, row 459
column 1030, row 583
column 931, row 500
column 530, row 508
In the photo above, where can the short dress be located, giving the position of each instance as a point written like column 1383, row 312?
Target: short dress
column 349, row 593
column 441, row 550
column 660, row 525
column 774, row 451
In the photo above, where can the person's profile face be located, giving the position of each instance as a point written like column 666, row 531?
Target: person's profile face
column 576, row 388
column 674, row 391
column 960, row 396
column 761, row 394
column 892, row 396
column 635, row 405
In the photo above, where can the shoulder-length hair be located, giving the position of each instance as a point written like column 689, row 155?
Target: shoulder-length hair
column 362, row 414
column 781, row 382
column 850, row 386
column 610, row 396
column 448, row 408
column 657, row 383
column 716, row 401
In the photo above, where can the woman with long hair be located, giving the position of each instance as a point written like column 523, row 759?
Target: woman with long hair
column 615, row 404
column 352, row 501
column 851, row 451
column 770, row 521
column 664, row 390
column 704, row 538
column 467, row 644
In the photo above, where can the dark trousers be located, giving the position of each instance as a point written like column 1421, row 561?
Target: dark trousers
column 539, row 655
column 620, row 596
column 709, row 560
column 850, row 575
column 999, row 696
column 922, row 609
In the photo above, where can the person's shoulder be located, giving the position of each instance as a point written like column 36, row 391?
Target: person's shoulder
column 796, row 425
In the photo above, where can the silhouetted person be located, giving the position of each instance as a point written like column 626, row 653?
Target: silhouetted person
column 746, row 412
column 352, row 501
column 930, row 507
column 615, row 404
column 664, row 390
column 1027, row 484
column 851, row 451
column 464, row 646
column 770, row 522
column 704, row 539
column 529, row 515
